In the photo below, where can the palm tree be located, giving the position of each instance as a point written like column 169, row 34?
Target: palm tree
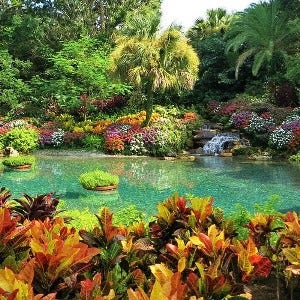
column 263, row 33
column 217, row 21
column 153, row 62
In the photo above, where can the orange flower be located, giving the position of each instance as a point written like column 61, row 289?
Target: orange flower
column 114, row 144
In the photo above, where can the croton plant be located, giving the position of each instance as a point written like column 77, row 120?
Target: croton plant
column 189, row 251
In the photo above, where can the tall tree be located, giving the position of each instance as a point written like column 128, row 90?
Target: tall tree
column 71, row 18
column 263, row 34
column 216, row 21
column 216, row 75
column 81, row 67
column 153, row 62
column 12, row 89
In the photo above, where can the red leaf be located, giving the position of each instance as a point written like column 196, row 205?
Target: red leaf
column 263, row 267
column 181, row 204
column 172, row 248
column 206, row 240
column 178, row 288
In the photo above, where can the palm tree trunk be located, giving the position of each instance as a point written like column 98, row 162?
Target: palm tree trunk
column 149, row 109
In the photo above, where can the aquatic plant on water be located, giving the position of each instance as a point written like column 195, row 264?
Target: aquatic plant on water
column 19, row 161
column 97, row 178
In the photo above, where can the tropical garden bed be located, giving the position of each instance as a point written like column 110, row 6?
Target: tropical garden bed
column 188, row 244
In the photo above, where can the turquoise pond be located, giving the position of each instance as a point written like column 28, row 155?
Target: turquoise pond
column 146, row 181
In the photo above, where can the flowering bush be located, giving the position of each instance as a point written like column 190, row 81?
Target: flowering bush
column 149, row 136
column 258, row 124
column 280, row 138
column 137, row 119
column 73, row 138
column 45, row 137
column 137, row 144
column 171, row 137
column 101, row 126
column 114, row 144
column 241, row 119
column 189, row 117
column 223, row 109
column 291, row 128
column 58, row 138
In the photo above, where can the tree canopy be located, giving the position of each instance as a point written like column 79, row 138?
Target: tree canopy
column 154, row 62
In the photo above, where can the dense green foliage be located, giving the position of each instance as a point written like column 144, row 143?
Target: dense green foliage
column 92, row 179
column 54, row 56
column 21, row 139
column 79, row 74
column 13, row 88
column 295, row 157
column 19, row 160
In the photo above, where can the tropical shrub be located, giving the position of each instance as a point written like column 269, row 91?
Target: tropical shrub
column 22, row 139
column 190, row 251
column 41, row 207
column 19, row 160
column 295, row 157
column 92, row 179
column 93, row 141
column 171, row 137
column 74, row 139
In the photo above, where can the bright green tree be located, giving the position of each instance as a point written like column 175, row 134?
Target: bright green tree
column 153, row 62
column 81, row 67
column 12, row 88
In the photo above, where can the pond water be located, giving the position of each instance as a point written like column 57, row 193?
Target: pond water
column 145, row 181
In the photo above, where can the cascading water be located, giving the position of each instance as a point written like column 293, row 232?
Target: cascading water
column 219, row 142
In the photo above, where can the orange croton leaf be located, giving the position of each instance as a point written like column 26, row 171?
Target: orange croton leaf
column 178, row 288
column 292, row 222
column 138, row 276
column 161, row 272
column 202, row 207
column 106, row 222
column 137, row 295
column 27, row 273
column 10, row 283
column 51, row 296
column 8, row 224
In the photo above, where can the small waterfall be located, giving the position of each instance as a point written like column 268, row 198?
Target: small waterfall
column 219, row 142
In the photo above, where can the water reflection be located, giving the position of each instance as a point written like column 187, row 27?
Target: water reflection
column 147, row 181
